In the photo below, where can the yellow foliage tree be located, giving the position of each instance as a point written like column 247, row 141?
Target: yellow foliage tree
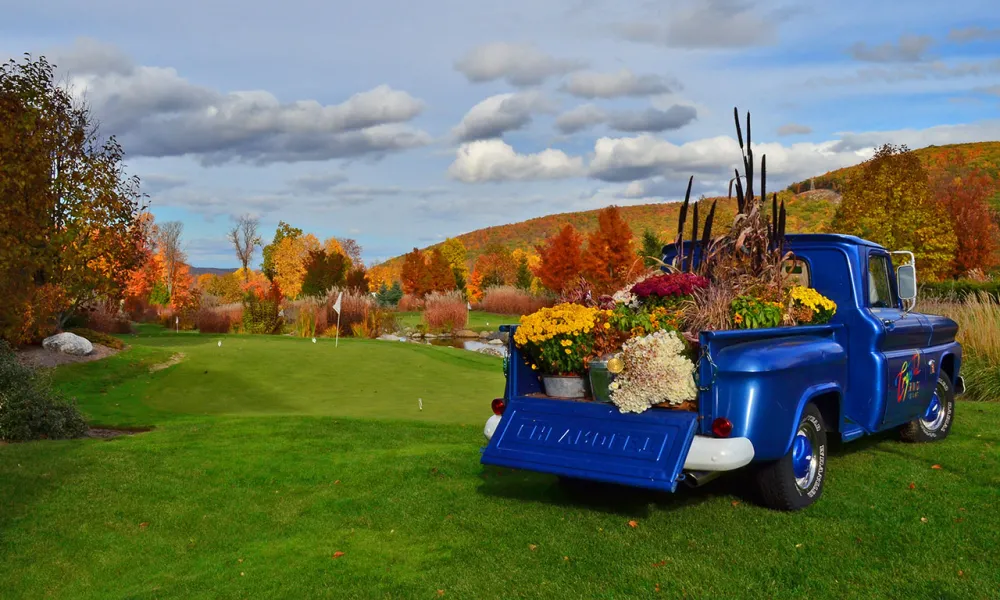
column 333, row 246
column 290, row 263
column 889, row 202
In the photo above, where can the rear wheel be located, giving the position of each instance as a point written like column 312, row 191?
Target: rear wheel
column 935, row 423
column 796, row 480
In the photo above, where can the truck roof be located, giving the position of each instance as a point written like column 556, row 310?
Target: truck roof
column 795, row 238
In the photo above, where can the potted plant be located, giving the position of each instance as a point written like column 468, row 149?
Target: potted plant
column 557, row 340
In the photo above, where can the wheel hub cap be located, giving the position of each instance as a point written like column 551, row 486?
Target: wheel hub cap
column 805, row 463
column 934, row 416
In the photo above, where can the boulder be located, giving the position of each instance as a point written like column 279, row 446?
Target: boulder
column 485, row 335
column 389, row 338
column 491, row 351
column 496, row 342
column 466, row 334
column 68, row 343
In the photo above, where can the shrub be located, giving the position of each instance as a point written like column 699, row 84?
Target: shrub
column 310, row 318
column 509, row 300
column 410, row 303
column 219, row 319
column 978, row 318
column 354, row 307
column 96, row 337
column 184, row 320
column 106, row 317
column 29, row 408
column 261, row 312
column 446, row 311
column 377, row 321
column 959, row 289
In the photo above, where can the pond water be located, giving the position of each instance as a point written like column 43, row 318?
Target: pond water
column 461, row 344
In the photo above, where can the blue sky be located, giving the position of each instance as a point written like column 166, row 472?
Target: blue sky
column 401, row 123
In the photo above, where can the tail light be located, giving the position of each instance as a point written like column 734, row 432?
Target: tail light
column 498, row 406
column 722, row 427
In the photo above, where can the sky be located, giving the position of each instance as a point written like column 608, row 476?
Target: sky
column 401, row 123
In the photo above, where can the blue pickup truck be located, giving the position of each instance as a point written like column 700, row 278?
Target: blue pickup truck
column 768, row 399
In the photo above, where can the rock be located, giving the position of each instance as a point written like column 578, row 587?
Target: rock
column 429, row 336
column 495, row 342
column 466, row 334
column 485, row 335
column 68, row 343
column 389, row 338
column 491, row 351
column 414, row 334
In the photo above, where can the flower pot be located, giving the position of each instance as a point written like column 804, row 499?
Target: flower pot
column 565, row 386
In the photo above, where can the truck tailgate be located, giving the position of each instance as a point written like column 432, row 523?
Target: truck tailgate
column 593, row 441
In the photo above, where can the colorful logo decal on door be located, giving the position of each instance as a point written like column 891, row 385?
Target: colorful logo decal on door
column 906, row 384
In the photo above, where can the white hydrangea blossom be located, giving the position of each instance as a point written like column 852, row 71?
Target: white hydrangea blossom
column 655, row 371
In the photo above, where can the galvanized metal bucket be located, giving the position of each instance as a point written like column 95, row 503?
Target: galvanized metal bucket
column 558, row 386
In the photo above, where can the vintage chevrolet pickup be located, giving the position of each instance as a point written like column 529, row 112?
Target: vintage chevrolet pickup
column 768, row 399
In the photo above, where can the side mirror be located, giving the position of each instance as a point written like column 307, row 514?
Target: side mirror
column 906, row 280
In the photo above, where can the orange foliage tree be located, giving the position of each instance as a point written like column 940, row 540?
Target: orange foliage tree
column 560, row 259
column 414, row 274
column 966, row 199
column 609, row 257
column 440, row 276
column 493, row 268
column 290, row 262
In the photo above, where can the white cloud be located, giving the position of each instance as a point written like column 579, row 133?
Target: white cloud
column 499, row 114
column 909, row 48
column 155, row 112
column 494, row 160
column 591, row 84
column 518, row 64
column 580, row 118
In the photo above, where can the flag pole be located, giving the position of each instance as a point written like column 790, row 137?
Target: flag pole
column 336, row 342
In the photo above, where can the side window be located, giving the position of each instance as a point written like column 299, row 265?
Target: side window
column 879, row 291
column 797, row 271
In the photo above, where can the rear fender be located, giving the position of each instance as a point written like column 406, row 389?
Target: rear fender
column 808, row 396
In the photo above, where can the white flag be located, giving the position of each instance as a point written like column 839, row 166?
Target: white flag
column 336, row 305
column 468, row 305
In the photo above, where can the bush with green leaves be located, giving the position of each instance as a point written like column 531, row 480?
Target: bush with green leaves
column 389, row 296
column 29, row 408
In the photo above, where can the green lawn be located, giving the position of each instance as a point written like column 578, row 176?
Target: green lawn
column 478, row 321
column 285, row 453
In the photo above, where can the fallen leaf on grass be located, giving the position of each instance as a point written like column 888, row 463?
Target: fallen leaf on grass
column 961, row 573
column 336, row 482
column 633, row 524
column 143, row 526
column 242, row 574
column 241, row 561
column 959, row 520
column 532, row 547
column 338, row 554
column 798, row 545
column 923, row 519
column 736, row 502
column 913, row 486
column 961, row 509
column 662, row 563
column 565, row 558
column 657, row 588
column 935, row 466
column 440, row 592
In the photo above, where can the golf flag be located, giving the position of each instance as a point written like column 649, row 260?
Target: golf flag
column 468, row 305
column 336, row 307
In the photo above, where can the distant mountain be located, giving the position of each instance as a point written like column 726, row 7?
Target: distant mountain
column 938, row 160
column 196, row 271
column 810, row 204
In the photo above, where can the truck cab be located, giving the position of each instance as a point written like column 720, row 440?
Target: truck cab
column 768, row 399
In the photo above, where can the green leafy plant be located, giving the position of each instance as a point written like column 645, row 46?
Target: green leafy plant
column 96, row 337
column 749, row 312
column 29, row 408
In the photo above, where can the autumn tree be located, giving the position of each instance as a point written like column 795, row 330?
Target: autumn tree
column 357, row 281
column 414, row 275
column 245, row 240
column 561, row 259
column 966, row 198
column 352, row 250
column 652, row 247
column 70, row 231
column 290, row 260
column 324, row 270
column 284, row 231
column 383, row 274
column 457, row 256
column 168, row 244
column 888, row 201
column 522, row 277
column 440, row 277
